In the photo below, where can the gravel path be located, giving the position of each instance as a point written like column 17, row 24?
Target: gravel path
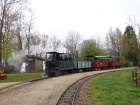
column 2, row 85
column 44, row 92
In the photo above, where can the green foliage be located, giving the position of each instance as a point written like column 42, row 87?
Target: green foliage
column 21, row 77
column 114, row 88
column 90, row 47
column 7, row 49
column 11, row 25
column 125, row 63
column 130, row 45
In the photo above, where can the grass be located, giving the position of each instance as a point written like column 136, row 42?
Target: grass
column 21, row 77
column 115, row 88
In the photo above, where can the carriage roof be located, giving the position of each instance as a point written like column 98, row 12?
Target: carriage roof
column 54, row 52
column 104, row 57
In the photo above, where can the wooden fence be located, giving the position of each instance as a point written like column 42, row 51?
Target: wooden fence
column 136, row 77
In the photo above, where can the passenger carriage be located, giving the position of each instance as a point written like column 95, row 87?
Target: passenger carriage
column 105, row 62
column 114, row 62
column 98, row 62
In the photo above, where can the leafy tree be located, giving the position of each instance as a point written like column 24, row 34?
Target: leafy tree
column 90, row 47
column 135, row 23
column 9, row 14
column 130, row 45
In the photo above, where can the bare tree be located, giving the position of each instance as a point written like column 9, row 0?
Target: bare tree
column 55, row 43
column 43, row 44
column 39, row 44
column 72, row 42
column 19, row 27
column 44, row 41
column 114, row 42
column 29, row 24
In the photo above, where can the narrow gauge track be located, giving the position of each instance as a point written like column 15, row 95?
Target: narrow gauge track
column 7, row 88
column 69, row 95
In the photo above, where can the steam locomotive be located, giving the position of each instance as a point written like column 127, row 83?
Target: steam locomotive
column 60, row 63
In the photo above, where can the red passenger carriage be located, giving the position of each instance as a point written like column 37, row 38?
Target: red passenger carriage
column 104, row 62
column 114, row 62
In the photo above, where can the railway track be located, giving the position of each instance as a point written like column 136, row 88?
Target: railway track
column 69, row 95
column 5, row 89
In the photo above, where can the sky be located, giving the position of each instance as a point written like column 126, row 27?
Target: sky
column 91, row 18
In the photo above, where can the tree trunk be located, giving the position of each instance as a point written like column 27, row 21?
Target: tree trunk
column 1, row 36
column 19, row 41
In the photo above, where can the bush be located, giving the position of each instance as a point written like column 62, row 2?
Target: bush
column 8, row 69
column 126, row 63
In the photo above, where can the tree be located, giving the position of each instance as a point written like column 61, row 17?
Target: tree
column 90, row 47
column 39, row 44
column 8, row 16
column 130, row 45
column 44, row 41
column 28, row 29
column 114, row 42
column 55, row 43
column 72, row 42
column 135, row 24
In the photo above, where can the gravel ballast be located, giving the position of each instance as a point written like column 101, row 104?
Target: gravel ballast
column 44, row 92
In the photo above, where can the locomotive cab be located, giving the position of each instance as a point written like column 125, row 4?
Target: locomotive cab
column 56, row 63
column 50, row 64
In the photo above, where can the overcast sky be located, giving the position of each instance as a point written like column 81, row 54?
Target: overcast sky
column 92, row 18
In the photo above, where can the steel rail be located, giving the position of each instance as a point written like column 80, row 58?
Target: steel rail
column 68, row 96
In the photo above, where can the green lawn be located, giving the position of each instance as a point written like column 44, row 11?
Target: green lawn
column 21, row 77
column 115, row 88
